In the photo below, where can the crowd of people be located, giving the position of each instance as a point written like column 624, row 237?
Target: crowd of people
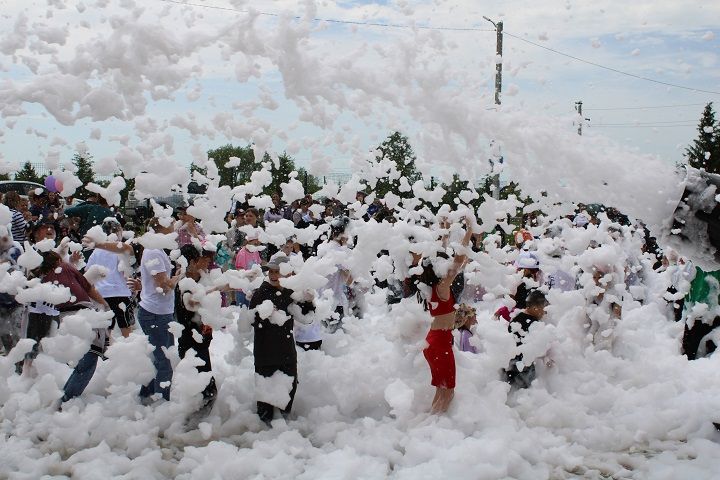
column 86, row 260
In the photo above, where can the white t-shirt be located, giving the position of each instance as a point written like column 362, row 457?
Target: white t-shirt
column 114, row 285
column 308, row 333
column 152, row 298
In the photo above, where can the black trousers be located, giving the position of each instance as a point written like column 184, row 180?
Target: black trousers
column 38, row 327
column 693, row 335
column 265, row 410
column 310, row 345
column 517, row 378
column 202, row 351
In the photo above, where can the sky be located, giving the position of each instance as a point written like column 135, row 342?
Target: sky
column 162, row 79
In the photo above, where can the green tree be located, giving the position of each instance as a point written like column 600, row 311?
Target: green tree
column 85, row 173
column 456, row 186
column 4, row 176
column 704, row 152
column 236, row 175
column 311, row 183
column 27, row 173
column 281, row 174
column 240, row 173
column 129, row 187
column 397, row 149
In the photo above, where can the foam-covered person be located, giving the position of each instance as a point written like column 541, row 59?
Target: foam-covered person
column 520, row 373
column 274, row 344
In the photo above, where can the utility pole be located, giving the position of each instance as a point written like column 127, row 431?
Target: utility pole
column 498, row 61
column 498, row 89
column 578, row 108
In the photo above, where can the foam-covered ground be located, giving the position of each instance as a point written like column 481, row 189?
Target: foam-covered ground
column 361, row 411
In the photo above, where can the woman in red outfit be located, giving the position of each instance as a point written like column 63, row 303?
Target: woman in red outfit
column 439, row 353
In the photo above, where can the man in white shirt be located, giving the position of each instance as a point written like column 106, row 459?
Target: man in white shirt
column 156, row 311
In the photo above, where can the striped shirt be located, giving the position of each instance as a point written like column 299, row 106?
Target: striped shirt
column 19, row 226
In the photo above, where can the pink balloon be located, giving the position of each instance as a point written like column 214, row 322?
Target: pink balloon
column 58, row 185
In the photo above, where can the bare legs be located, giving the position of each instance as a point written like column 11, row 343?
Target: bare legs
column 442, row 399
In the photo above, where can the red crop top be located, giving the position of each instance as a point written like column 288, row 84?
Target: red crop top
column 441, row 307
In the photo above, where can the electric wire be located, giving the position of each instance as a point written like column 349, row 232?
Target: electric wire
column 645, row 108
column 454, row 29
column 621, row 72
column 334, row 20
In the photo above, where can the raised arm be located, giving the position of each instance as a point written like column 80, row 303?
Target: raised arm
column 458, row 261
column 115, row 247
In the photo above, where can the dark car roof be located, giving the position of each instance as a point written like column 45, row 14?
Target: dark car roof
column 21, row 187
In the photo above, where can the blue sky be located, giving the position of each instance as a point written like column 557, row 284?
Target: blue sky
column 660, row 40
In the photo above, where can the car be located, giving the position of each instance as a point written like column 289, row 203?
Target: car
column 22, row 187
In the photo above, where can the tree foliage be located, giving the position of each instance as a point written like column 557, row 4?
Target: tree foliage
column 27, row 173
column 236, row 175
column 241, row 173
column 84, row 172
column 397, row 150
column 453, row 191
column 704, row 152
column 129, row 187
column 281, row 174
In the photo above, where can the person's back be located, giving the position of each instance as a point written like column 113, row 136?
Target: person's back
column 704, row 289
column 90, row 213
column 114, row 284
column 274, row 343
column 520, row 325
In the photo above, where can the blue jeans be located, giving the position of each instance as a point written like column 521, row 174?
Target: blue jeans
column 241, row 299
column 156, row 327
column 80, row 377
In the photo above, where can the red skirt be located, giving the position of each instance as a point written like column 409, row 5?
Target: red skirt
column 440, row 357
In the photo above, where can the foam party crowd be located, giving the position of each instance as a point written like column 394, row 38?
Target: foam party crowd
column 318, row 315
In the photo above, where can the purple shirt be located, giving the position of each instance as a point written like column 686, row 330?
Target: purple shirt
column 463, row 341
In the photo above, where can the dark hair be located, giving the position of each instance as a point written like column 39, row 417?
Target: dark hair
column 427, row 277
column 536, row 299
column 12, row 199
column 190, row 252
column 49, row 263
column 338, row 226
column 38, row 224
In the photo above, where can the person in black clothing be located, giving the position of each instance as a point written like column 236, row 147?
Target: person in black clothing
column 274, row 346
column 194, row 329
column 519, row 326
column 529, row 265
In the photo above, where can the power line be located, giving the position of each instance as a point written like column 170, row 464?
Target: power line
column 652, row 122
column 458, row 29
column 647, row 108
column 670, row 122
column 639, row 77
column 635, row 125
column 333, row 20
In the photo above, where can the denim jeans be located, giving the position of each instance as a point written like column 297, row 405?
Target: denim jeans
column 156, row 327
column 80, row 377
column 241, row 299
